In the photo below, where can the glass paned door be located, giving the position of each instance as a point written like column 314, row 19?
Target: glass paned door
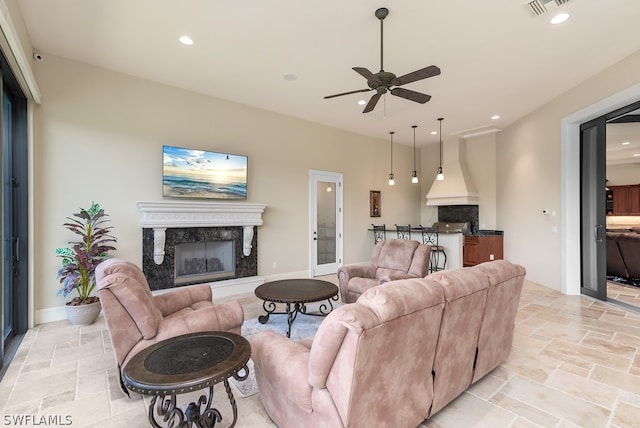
column 593, row 208
column 326, row 222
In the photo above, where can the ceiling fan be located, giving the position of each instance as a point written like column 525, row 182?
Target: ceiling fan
column 384, row 81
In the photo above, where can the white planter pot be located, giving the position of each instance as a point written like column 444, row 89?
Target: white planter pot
column 83, row 314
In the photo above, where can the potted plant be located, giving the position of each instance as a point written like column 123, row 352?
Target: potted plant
column 79, row 262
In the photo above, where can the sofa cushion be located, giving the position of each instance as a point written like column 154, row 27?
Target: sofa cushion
column 360, row 285
column 367, row 350
column 395, row 255
column 629, row 244
column 465, row 292
column 498, row 323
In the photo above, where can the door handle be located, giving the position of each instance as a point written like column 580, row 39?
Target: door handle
column 596, row 230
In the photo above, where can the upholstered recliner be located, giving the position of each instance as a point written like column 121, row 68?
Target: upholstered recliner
column 391, row 259
column 137, row 319
column 369, row 364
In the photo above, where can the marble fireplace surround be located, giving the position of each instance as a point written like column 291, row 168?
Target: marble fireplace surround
column 161, row 215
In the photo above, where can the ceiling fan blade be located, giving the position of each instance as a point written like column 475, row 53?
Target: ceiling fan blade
column 372, row 103
column 411, row 95
column 364, row 72
column 348, row 93
column 430, row 71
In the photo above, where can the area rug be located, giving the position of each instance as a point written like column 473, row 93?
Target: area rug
column 303, row 326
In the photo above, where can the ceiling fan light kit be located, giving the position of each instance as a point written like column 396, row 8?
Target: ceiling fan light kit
column 384, row 81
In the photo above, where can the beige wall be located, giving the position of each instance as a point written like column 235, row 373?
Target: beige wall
column 99, row 135
column 481, row 164
column 529, row 176
column 623, row 174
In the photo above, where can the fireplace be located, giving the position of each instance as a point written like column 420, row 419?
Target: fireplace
column 200, row 242
column 202, row 261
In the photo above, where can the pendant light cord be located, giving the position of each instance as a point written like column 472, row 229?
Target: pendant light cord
column 391, row 148
column 440, row 119
column 414, row 146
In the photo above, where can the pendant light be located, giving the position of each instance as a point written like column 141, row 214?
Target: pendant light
column 440, row 175
column 391, row 178
column 414, row 173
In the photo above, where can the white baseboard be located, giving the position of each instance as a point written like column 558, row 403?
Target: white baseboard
column 288, row 275
column 224, row 288
column 50, row 315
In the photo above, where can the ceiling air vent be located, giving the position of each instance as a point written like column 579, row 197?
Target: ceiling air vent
column 540, row 7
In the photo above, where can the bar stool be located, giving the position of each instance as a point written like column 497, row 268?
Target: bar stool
column 404, row 232
column 379, row 233
column 430, row 237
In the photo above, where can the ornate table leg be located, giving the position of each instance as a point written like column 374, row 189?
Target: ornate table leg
column 167, row 409
column 269, row 308
column 193, row 415
column 232, row 400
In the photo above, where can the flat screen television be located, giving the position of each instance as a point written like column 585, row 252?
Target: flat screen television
column 189, row 173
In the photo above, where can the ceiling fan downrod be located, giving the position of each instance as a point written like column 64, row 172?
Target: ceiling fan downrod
column 381, row 14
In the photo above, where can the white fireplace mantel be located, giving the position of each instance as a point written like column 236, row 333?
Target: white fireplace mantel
column 173, row 214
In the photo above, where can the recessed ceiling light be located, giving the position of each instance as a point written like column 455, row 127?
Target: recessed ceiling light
column 626, row 143
column 290, row 77
column 559, row 18
column 361, row 102
column 635, row 155
column 495, row 117
column 186, row 40
column 434, row 132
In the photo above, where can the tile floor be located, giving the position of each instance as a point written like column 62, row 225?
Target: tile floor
column 575, row 363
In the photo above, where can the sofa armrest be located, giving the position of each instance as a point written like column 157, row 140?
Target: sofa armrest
column 284, row 366
column 395, row 276
column 181, row 298
column 352, row 271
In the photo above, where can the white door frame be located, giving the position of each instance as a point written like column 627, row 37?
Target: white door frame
column 570, row 183
column 314, row 177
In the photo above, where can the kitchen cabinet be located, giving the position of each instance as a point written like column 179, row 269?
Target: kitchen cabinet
column 482, row 248
column 626, row 200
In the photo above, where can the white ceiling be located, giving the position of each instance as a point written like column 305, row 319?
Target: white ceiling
column 496, row 57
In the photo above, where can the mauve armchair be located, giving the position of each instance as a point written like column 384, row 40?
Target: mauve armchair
column 391, row 259
column 136, row 319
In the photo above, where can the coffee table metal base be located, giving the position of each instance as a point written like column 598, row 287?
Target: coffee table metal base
column 292, row 311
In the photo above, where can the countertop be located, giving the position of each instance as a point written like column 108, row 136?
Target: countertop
column 486, row 232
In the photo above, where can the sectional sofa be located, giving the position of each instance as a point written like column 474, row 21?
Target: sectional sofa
column 623, row 255
column 395, row 357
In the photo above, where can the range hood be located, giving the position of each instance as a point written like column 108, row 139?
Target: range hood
column 456, row 188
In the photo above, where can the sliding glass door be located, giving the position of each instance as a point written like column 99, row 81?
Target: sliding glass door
column 13, row 215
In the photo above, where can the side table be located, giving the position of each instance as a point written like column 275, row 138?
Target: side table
column 188, row 363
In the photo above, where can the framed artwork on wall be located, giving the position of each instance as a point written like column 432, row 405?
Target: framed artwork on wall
column 374, row 203
column 188, row 173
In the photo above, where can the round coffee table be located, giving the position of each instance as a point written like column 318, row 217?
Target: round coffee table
column 295, row 294
column 187, row 363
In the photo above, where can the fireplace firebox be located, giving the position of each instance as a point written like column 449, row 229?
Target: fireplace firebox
column 195, row 255
column 205, row 261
